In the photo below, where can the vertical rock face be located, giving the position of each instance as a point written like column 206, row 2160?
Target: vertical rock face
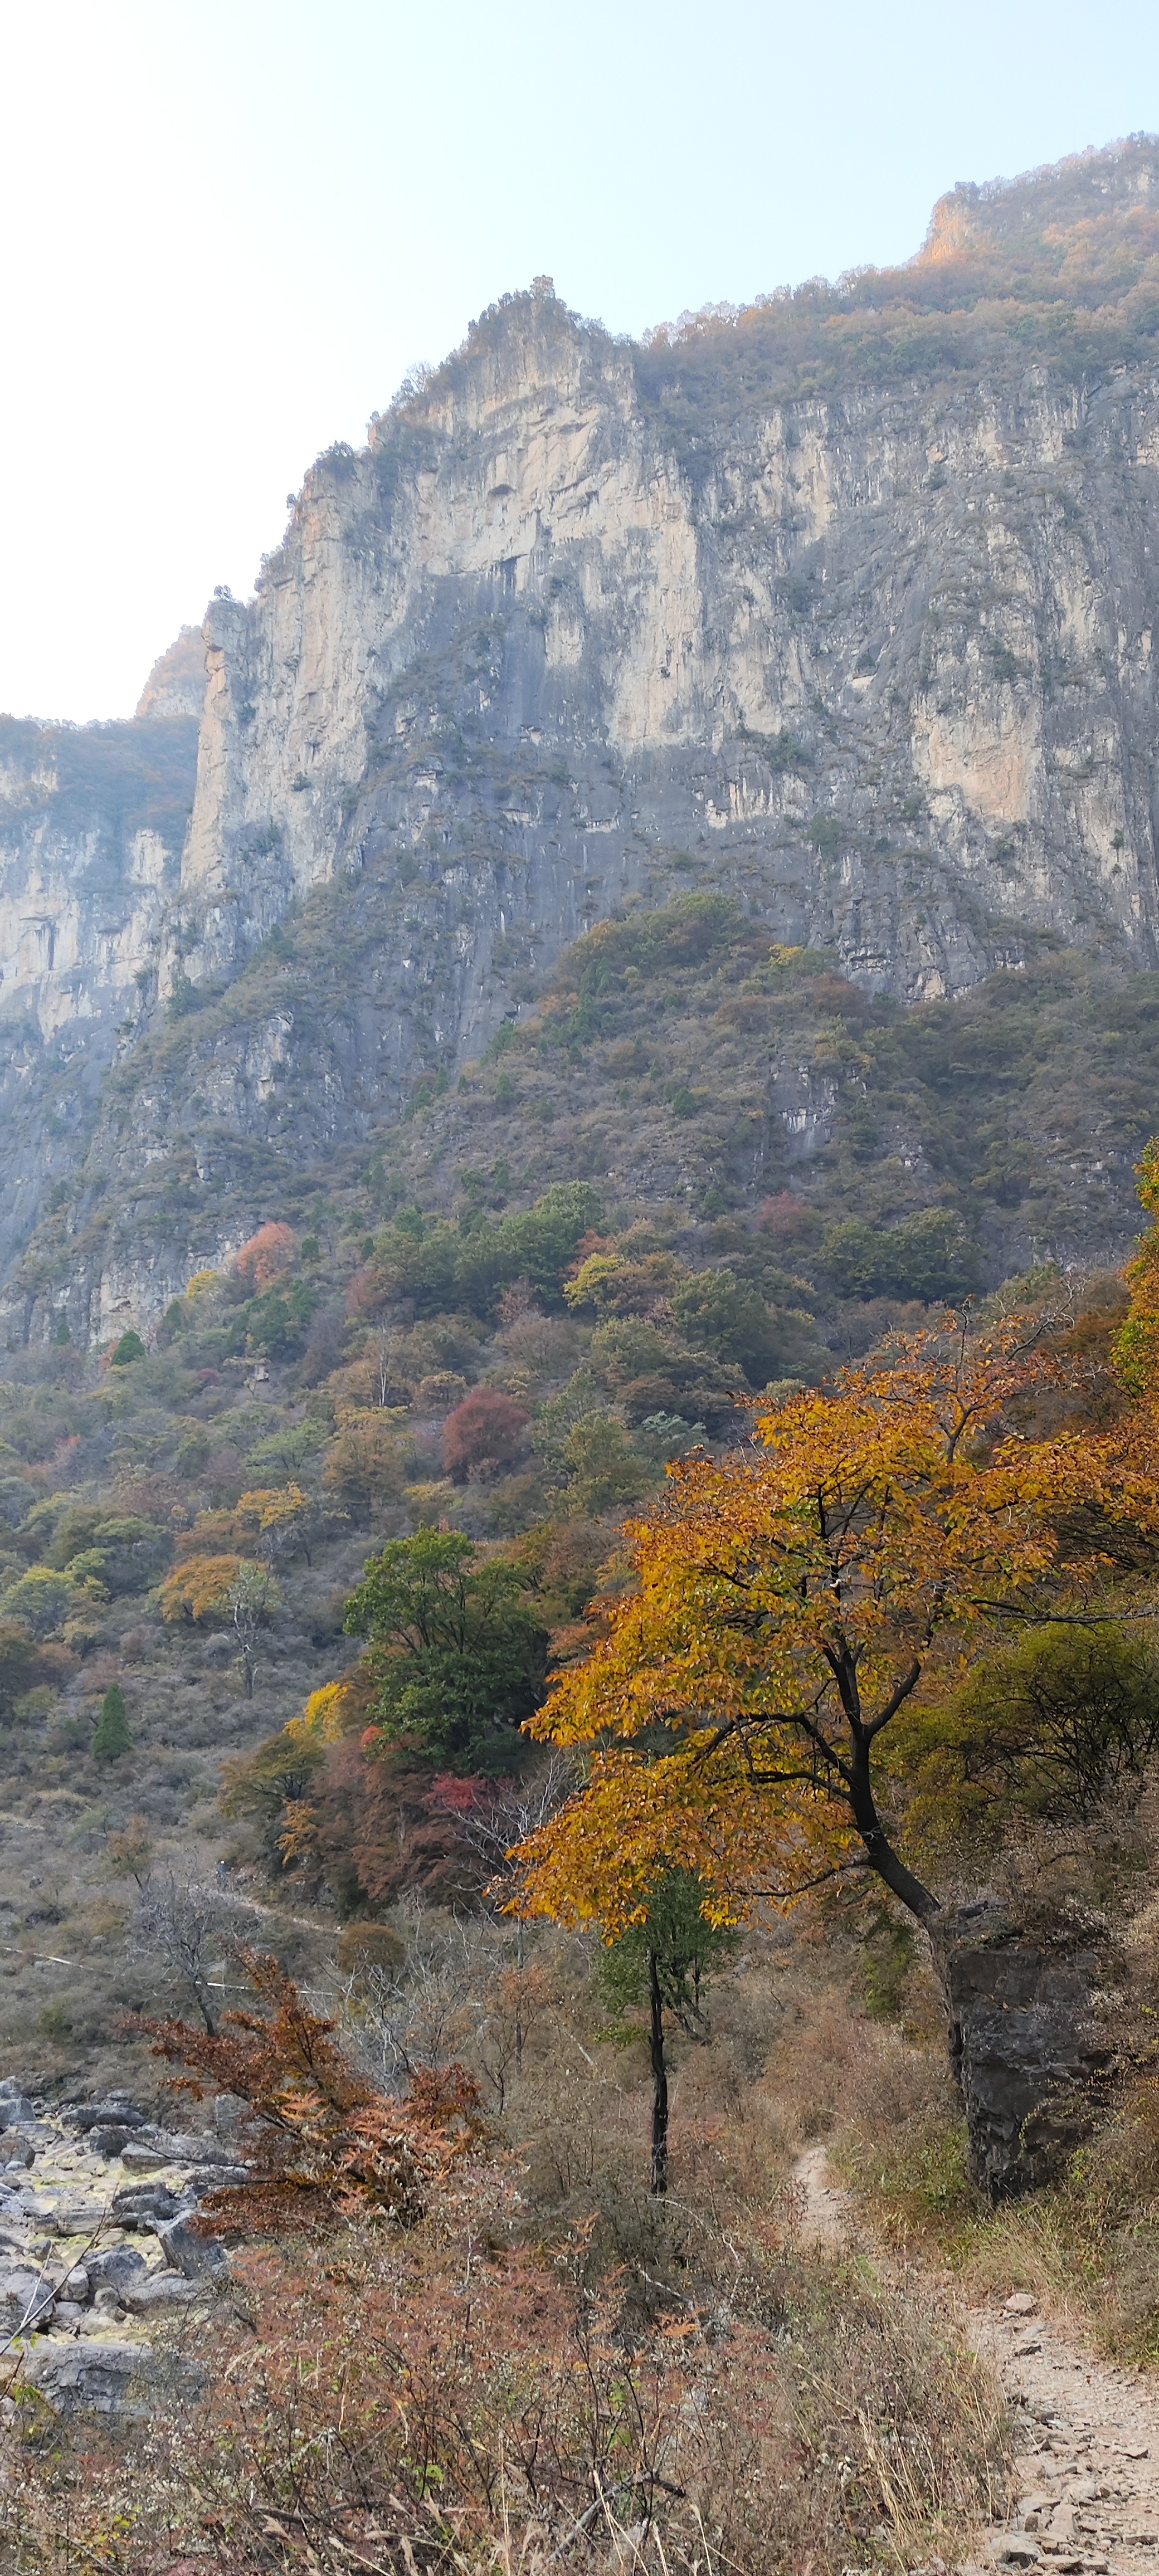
column 844, row 606
column 891, row 654
column 92, row 821
column 1024, row 2042
column 176, row 683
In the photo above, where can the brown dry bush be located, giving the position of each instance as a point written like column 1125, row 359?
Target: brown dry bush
column 449, row 2400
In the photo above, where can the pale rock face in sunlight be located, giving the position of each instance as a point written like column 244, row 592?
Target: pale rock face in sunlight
column 878, row 666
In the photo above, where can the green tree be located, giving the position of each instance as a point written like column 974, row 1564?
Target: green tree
column 660, row 1966
column 928, row 1256
column 130, row 1347
column 1053, row 1726
column 457, row 1653
column 603, row 1469
column 42, row 1599
column 20, row 1662
column 723, row 1315
column 112, row 1737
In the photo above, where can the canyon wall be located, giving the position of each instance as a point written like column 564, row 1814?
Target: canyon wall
column 582, row 624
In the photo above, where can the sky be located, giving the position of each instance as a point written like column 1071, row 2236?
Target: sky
column 232, row 227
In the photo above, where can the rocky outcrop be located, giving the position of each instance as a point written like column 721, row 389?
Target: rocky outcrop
column 176, row 683
column 92, row 821
column 1026, row 2045
column 888, row 657
column 86, row 2245
column 864, row 642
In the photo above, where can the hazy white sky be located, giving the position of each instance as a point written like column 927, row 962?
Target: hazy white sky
column 232, row 226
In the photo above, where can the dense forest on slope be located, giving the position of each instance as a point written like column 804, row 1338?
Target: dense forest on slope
column 701, row 1166
column 1060, row 268
column 719, row 1071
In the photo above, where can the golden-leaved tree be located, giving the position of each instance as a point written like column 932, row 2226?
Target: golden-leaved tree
column 793, row 1599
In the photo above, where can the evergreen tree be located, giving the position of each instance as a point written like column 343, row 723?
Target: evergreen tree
column 659, row 1966
column 112, row 1737
column 129, row 1348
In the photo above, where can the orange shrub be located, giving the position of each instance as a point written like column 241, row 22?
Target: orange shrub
column 267, row 1253
column 485, row 1433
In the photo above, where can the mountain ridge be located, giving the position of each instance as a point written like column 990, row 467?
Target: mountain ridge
column 587, row 620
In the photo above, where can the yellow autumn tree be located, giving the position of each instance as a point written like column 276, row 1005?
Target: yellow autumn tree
column 200, row 1588
column 1137, row 1344
column 792, row 1600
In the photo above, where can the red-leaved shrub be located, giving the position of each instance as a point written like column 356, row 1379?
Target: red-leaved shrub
column 268, row 1252
column 484, row 1434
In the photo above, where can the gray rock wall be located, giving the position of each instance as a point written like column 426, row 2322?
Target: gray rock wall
column 575, row 628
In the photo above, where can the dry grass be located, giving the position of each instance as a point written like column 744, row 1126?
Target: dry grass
column 455, row 2400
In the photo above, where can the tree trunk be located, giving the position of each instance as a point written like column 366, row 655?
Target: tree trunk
column 1028, row 2057
column 879, row 1851
column 659, row 2182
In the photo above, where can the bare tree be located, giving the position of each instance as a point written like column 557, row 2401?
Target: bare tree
column 253, row 1596
column 493, row 1816
column 464, row 1987
column 186, row 1926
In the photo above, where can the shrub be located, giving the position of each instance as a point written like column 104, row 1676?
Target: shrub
column 720, row 1314
column 928, row 1257
column 276, row 1322
column 603, row 1470
column 265, row 1256
column 484, row 1434
column 369, row 1462
column 1052, row 1728
column 322, row 2141
column 41, row 1599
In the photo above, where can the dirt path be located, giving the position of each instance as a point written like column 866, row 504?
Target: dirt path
column 1087, row 2461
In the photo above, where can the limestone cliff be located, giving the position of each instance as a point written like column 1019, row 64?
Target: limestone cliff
column 845, row 605
column 92, row 820
column 890, row 654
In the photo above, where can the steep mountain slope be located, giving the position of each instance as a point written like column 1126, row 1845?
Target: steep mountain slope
column 842, row 607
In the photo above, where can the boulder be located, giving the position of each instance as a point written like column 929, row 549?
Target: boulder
column 1029, row 2059
column 26, row 2296
column 113, row 2114
column 196, row 2255
column 140, row 2204
column 76, row 2217
column 114, row 2267
column 108, row 2141
column 99, row 2377
column 182, row 2146
column 157, row 2290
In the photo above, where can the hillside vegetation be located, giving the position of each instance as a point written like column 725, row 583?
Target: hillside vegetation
column 1060, row 268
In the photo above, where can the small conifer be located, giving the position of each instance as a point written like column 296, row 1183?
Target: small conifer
column 129, row 1348
column 112, row 1737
